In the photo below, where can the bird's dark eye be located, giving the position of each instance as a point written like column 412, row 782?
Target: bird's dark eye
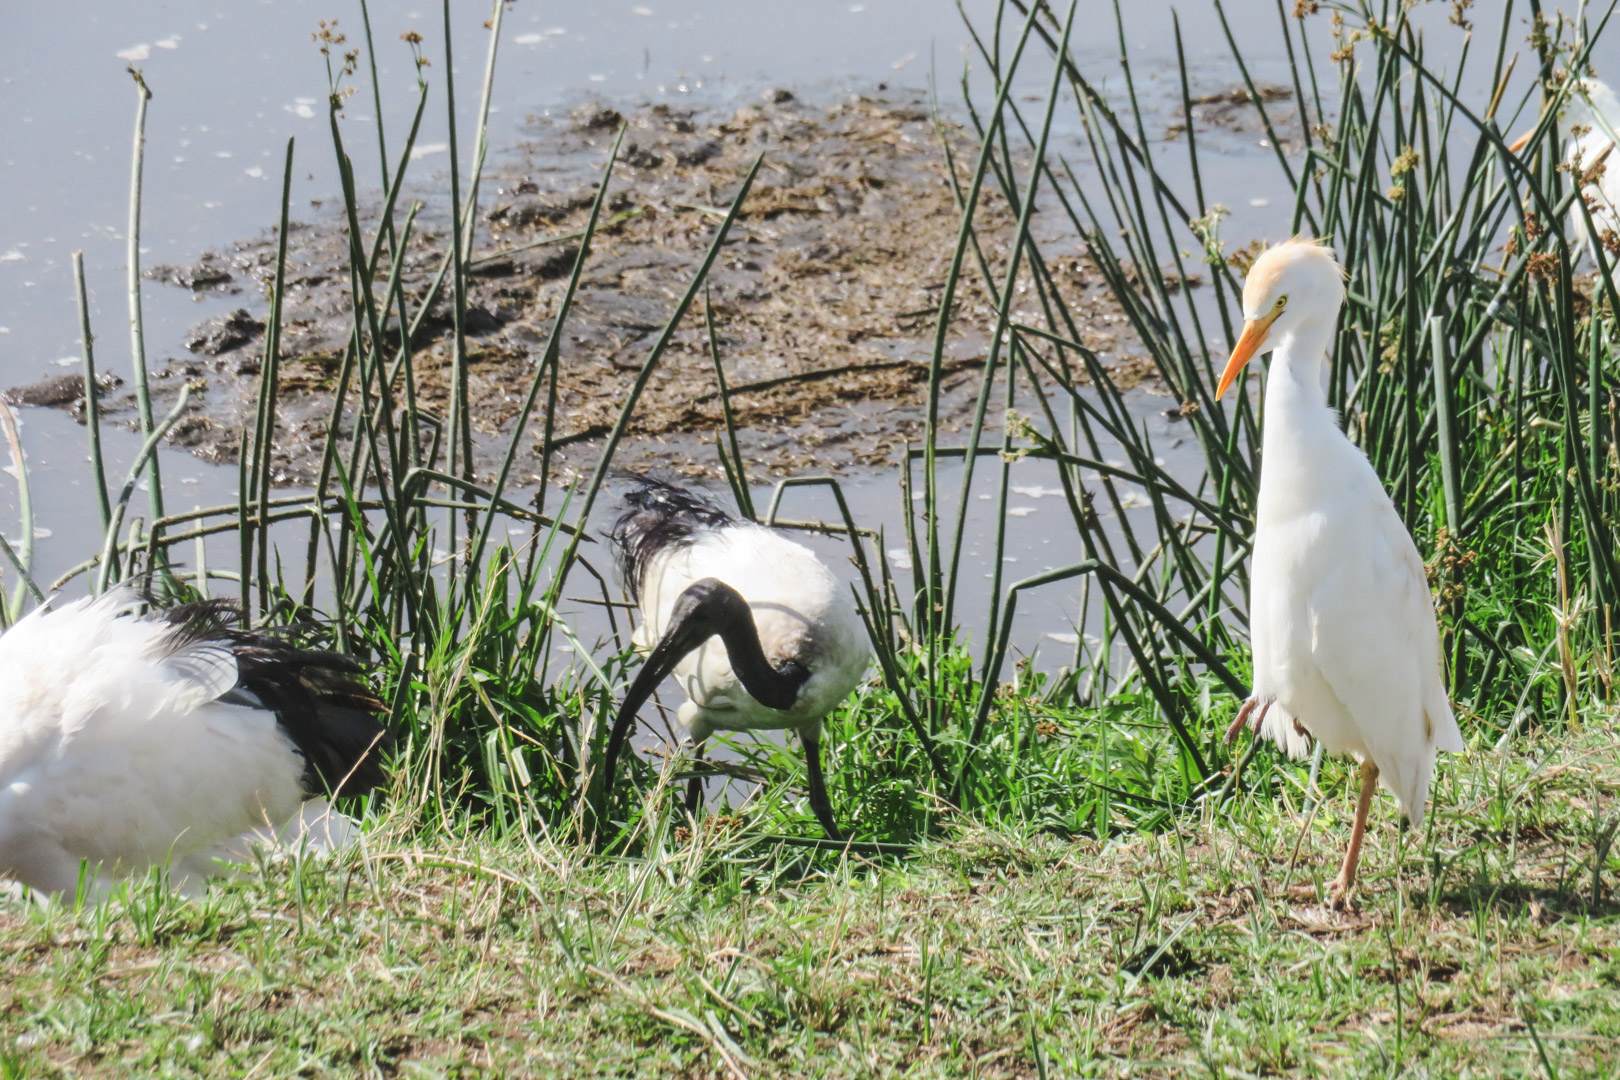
column 1282, row 301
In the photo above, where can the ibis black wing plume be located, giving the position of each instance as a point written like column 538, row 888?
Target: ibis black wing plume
column 319, row 698
column 659, row 517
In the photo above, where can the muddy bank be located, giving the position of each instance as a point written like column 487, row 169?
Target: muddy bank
column 824, row 300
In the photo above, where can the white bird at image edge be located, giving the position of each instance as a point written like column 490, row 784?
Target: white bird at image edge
column 132, row 740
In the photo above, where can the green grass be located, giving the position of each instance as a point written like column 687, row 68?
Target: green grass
column 991, row 952
column 1069, row 893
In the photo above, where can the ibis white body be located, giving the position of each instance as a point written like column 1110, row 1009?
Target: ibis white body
column 117, row 753
column 758, row 631
column 801, row 611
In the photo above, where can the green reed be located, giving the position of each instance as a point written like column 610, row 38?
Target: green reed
column 1478, row 380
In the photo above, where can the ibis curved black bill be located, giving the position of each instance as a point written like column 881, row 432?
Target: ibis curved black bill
column 708, row 608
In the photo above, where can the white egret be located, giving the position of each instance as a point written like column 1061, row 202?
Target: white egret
column 760, row 633
column 134, row 740
column 1589, row 152
column 1346, row 647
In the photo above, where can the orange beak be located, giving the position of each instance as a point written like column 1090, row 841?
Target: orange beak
column 1518, row 144
column 1254, row 335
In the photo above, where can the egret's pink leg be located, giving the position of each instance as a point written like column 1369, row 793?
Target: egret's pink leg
column 1340, row 887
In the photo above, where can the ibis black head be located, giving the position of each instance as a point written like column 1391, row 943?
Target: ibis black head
column 709, row 607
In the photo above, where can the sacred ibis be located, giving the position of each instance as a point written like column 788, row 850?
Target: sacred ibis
column 1346, row 648
column 130, row 740
column 759, row 632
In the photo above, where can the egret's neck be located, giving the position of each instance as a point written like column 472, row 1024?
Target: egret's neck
column 1300, row 431
column 1298, row 369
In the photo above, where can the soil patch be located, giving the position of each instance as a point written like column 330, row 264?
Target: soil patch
column 824, row 301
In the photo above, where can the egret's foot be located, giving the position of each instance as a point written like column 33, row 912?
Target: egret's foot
column 1247, row 717
column 1242, row 717
column 1337, row 898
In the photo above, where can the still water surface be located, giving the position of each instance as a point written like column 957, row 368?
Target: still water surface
column 234, row 81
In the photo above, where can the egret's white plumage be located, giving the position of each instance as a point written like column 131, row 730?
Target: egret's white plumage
column 1346, row 647
column 1589, row 153
column 129, row 741
column 737, row 612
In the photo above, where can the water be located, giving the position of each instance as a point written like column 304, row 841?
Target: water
column 233, row 82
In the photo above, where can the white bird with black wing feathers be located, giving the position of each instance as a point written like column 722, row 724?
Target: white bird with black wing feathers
column 1346, row 647
column 132, row 740
column 759, row 632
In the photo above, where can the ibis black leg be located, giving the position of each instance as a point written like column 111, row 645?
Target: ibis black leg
column 694, row 786
column 818, row 789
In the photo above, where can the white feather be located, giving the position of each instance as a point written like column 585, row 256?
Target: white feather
column 116, row 754
column 1341, row 620
column 206, row 668
column 1589, row 100
column 317, row 829
column 801, row 611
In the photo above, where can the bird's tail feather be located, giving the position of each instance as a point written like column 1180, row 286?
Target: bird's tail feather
column 1408, row 780
column 1442, row 722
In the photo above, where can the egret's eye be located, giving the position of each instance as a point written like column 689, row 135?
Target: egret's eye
column 1282, row 302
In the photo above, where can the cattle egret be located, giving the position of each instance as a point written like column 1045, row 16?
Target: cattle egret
column 133, row 740
column 1588, row 153
column 760, row 633
column 1346, row 648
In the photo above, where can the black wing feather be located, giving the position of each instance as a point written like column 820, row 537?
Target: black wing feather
column 324, row 707
column 320, row 698
column 658, row 517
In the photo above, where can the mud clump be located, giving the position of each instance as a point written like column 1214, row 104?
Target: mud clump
column 824, row 300
column 224, row 334
column 1232, row 110
column 58, row 390
column 206, row 274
